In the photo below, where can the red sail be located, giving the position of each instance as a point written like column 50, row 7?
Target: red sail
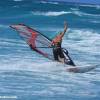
column 38, row 41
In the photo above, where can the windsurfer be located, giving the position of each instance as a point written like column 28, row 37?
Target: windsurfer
column 56, row 43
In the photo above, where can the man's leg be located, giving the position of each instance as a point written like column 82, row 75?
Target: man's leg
column 61, row 59
column 61, row 55
column 68, row 59
column 55, row 54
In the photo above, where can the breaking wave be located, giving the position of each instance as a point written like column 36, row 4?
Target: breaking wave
column 50, row 13
column 72, row 11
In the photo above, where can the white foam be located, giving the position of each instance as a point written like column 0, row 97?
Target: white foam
column 92, row 6
column 59, row 13
column 11, row 42
column 55, row 3
column 28, row 64
column 51, row 13
column 88, row 41
column 80, row 13
column 18, row 0
column 98, row 7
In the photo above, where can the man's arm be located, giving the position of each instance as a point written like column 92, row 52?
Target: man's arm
column 61, row 35
column 65, row 28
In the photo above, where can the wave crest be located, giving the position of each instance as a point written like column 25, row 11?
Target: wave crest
column 50, row 13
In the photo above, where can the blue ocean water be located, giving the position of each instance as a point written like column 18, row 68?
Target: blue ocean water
column 94, row 2
column 29, row 76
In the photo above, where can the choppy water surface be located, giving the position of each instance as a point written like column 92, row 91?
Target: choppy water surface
column 29, row 76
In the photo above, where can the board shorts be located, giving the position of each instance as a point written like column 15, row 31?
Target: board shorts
column 58, row 52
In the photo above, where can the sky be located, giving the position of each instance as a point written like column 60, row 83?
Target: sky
column 80, row 1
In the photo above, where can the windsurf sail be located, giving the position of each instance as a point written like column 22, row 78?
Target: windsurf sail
column 36, row 40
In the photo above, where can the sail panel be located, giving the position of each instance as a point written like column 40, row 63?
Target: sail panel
column 40, row 43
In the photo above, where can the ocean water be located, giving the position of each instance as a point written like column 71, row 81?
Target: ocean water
column 94, row 2
column 26, row 75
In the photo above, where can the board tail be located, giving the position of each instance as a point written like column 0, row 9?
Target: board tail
column 82, row 69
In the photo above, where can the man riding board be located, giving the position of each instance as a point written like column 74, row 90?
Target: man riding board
column 56, row 43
